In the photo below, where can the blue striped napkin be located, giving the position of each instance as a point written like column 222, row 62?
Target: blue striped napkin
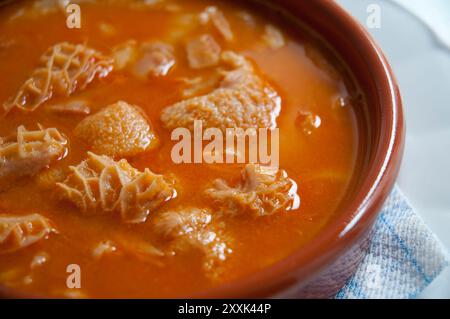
column 404, row 256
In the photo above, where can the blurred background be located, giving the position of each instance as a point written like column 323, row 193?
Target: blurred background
column 415, row 36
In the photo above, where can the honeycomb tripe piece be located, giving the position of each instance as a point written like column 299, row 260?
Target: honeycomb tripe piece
column 63, row 69
column 242, row 100
column 101, row 185
column 25, row 153
column 203, row 51
column 260, row 191
column 193, row 228
column 118, row 130
column 182, row 222
column 18, row 232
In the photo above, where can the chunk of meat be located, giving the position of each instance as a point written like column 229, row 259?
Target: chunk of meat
column 64, row 69
column 273, row 37
column 261, row 191
column 145, row 59
column 119, row 130
column 130, row 246
column 28, row 152
column 184, row 222
column 214, row 15
column 18, row 232
column 242, row 75
column 203, row 52
column 243, row 100
column 102, row 185
column 155, row 59
column 199, row 85
column 124, row 54
column 74, row 107
column 193, row 228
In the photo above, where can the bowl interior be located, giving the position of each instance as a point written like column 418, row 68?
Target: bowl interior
column 381, row 134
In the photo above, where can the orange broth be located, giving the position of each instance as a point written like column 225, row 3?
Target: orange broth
column 306, row 76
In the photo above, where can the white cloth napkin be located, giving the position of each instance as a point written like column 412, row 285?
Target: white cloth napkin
column 403, row 258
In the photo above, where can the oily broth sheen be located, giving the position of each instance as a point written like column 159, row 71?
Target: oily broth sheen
column 322, row 163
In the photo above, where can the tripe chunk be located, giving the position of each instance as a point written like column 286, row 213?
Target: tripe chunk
column 101, row 185
column 118, row 130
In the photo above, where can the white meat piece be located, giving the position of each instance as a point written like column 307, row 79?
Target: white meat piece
column 243, row 100
column 144, row 59
column 203, row 52
column 273, row 37
column 101, row 185
column 64, row 69
column 18, row 232
column 214, row 15
column 73, row 107
column 118, row 130
column 26, row 153
column 193, row 228
column 261, row 191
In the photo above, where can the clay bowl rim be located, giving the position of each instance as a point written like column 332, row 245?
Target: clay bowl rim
column 305, row 264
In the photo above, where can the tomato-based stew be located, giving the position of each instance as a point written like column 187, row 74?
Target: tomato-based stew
column 99, row 198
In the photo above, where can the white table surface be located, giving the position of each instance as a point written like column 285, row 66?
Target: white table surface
column 416, row 41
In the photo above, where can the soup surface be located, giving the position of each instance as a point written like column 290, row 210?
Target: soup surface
column 93, row 202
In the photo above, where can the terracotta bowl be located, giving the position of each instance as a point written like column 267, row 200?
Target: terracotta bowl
column 322, row 267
